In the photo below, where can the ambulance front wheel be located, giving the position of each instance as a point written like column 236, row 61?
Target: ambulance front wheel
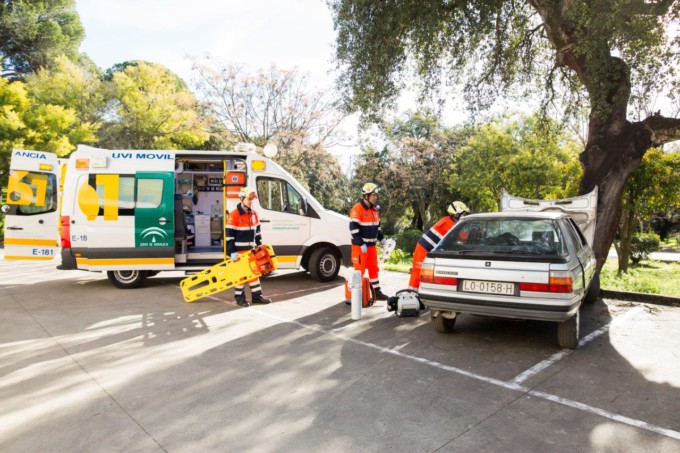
column 324, row 264
column 127, row 279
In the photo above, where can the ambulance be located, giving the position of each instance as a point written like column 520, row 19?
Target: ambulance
column 135, row 213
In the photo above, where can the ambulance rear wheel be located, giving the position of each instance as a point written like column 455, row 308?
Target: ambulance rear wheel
column 324, row 264
column 127, row 279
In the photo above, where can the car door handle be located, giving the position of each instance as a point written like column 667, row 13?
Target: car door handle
column 14, row 228
column 265, row 220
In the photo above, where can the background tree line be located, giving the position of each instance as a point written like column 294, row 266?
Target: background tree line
column 53, row 98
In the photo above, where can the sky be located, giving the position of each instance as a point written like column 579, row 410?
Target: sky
column 251, row 33
column 255, row 33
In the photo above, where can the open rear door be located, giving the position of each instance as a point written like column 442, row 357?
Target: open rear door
column 583, row 209
column 32, row 211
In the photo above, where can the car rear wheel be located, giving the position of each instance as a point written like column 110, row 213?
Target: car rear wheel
column 324, row 264
column 594, row 290
column 568, row 332
column 442, row 324
column 127, row 279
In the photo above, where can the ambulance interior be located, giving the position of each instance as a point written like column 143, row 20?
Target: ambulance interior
column 200, row 213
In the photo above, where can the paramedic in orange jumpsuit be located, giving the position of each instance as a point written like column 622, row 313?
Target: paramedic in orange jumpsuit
column 243, row 234
column 431, row 238
column 364, row 226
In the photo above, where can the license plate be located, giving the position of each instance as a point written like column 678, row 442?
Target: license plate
column 480, row 286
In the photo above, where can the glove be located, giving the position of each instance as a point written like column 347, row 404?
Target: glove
column 364, row 249
column 234, row 256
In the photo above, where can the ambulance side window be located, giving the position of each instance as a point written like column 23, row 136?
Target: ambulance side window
column 42, row 190
column 126, row 194
column 149, row 193
column 278, row 195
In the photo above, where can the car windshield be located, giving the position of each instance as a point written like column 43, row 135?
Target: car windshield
column 504, row 235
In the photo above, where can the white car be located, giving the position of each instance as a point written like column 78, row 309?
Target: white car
column 526, row 265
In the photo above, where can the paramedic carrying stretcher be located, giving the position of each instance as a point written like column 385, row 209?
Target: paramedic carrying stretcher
column 242, row 235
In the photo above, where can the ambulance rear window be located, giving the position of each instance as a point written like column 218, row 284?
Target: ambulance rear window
column 34, row 193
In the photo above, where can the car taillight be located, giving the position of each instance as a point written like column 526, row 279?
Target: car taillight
column 427, row 273
column 65, row 232
column 558, row 282
column 427, row 276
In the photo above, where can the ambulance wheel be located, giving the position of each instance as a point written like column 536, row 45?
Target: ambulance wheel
column 442, row 324
column 127, row 279
column 324, row 264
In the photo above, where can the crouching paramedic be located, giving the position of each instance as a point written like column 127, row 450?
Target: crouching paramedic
column 364, row 226
column 432, row 237
column 243, row 234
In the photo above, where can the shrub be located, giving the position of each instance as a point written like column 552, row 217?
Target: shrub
column 398, row 256
column 642, row 245
column 408, row 239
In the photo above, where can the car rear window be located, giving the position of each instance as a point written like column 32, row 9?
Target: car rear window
column 515, row 236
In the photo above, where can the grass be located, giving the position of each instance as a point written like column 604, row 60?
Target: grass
column 652, row 277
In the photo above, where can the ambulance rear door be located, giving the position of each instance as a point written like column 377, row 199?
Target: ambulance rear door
column 32, row 211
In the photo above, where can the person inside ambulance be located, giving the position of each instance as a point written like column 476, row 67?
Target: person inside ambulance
column 364, row 226
column 243, row 234
column 432, row 237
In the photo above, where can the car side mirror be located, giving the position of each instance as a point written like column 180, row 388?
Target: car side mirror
column 303, row 206
column 5, row 208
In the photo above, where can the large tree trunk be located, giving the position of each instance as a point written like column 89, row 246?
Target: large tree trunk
column 615, row 146
column 608, row 161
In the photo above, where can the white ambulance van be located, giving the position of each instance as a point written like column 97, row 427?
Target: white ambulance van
column 133, row 213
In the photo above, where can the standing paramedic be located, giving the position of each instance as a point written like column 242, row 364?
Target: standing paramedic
column 432, row 237
column 243, row 234
column 364, row 226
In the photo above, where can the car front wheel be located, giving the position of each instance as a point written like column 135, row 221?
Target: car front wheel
column 568, row 332
column 594, row 290
column 127, row 279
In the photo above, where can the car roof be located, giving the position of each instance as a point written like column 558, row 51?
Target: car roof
column 550, row 215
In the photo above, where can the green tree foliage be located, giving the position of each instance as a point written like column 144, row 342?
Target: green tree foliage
column 70, row 85
column 28, row 123
column 598, row 51
column 279, row 107
column 151, row 109
column 526, row 158
column 411, row 170
column 34, row 32
column 655, row 186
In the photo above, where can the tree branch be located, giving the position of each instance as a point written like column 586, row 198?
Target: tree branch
column 662, row 129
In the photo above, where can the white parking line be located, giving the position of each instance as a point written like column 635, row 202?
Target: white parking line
column 534, row 370
column 510, row 385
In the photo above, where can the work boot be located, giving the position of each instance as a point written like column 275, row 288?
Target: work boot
column 261, row 300
column 379, row 295
column 241, row 301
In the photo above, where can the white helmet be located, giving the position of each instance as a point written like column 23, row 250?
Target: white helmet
column 247, row 192
column 457, row 207
column 369, row 188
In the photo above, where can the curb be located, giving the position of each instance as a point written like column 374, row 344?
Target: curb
column 656, row 299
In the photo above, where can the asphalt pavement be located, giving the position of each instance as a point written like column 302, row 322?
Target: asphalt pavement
column 88, row 367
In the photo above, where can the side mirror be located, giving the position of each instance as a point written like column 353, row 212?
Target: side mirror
column 5, row 208
column 303, row 206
